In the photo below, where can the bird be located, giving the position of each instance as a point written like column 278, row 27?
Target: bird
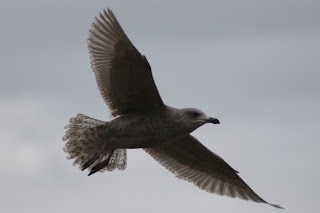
column 142, row 120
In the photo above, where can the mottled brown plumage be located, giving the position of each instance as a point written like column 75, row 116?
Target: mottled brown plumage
column 142, row 120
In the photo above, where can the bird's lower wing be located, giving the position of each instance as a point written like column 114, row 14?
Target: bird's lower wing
column 188, row 159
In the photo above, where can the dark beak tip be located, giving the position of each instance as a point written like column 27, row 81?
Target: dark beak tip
column 214, row 121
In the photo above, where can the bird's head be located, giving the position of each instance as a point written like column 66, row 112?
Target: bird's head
column 194, row 118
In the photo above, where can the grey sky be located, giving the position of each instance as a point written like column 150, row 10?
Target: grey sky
column 252, row 64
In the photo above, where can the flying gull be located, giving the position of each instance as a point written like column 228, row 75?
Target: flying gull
column 142, row 120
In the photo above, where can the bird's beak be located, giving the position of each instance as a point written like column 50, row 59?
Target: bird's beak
column 212, row 120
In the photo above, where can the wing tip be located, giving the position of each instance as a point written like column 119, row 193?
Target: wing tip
column 276, row 206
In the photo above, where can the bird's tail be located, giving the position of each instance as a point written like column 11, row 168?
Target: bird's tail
column 85, row 144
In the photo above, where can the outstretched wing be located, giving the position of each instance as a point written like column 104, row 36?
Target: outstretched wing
column 123, row 75
column 188, row 159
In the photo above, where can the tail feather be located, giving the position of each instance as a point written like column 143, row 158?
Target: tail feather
column 84, row 142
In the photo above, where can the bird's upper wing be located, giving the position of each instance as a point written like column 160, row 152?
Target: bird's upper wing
column 190, row 160
column 123, row 75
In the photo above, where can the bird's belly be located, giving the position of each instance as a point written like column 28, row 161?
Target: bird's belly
column 133, row 142
column 142, row 132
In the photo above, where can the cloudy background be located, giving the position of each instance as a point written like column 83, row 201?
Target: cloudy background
column 252, row 64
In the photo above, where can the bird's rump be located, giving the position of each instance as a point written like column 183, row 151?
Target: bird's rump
column 123, row 75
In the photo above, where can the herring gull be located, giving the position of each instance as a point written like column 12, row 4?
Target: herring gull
column 142, row 120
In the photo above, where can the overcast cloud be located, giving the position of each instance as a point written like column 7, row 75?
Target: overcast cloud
column 252, row 64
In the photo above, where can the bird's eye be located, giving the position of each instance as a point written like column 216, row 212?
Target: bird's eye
column 195, row 114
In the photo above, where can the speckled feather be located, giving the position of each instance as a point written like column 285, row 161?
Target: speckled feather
column 84, row 140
